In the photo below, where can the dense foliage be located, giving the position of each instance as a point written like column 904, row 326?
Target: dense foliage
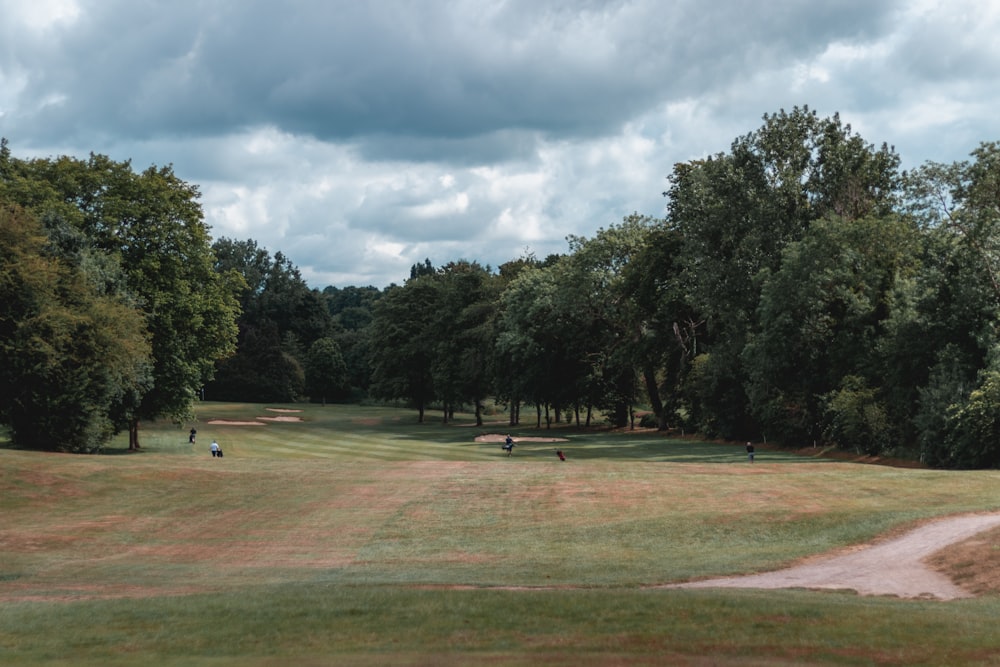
column 136, row 311
column 799, row 289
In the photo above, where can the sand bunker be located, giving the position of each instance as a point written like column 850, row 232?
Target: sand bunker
column 280, row 419
column 892, row 567
column 282, row 410
column 498, row 437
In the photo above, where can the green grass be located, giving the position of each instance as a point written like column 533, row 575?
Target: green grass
column 357, row 536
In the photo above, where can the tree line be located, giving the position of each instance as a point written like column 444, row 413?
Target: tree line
column 799, row 288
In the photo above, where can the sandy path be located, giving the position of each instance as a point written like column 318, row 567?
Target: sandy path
column 893, row 567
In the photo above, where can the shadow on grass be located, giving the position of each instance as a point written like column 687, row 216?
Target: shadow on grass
column 652, row 448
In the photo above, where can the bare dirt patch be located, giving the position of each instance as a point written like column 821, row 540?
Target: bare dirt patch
column 973, row 564
column 917, row 564
column 498, row 437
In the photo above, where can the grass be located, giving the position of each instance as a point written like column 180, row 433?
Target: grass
column 357, row 536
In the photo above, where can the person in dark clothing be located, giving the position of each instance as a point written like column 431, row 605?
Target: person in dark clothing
column 191, row 436
column 750, row 452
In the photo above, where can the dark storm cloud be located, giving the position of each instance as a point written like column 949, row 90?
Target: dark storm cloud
column 455, row 70
column 361, row 137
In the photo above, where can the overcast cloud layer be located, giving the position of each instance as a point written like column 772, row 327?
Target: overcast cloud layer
column 361, row 137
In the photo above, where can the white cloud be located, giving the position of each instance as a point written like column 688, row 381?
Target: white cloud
column 360, row 138
column 39, row 15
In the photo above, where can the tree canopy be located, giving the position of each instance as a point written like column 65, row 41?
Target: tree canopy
column 148, row 228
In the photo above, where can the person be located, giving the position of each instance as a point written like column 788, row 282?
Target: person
column 559, row 453
column 216, row 450
column 750, row 452
column 191, row 435
column 508, row 445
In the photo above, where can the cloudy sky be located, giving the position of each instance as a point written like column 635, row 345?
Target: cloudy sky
column 359, row 137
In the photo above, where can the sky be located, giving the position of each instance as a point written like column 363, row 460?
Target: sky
column 359, row 137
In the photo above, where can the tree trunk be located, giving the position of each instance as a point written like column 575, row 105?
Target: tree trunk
column 653, row 391
column 479, row 412
column 538, row 415
column 133, row 434
column 420, row 410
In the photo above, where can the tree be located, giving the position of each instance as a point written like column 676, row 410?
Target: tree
column 68, row 351
column 822, row 317
column 972, row 435
column 666, row 329
column 625, row 286
column 538, row 355
column 153, row 226
column 951, row 338
column 325, row 372
column 262, row 373
column 963, row 198
column 736, row 212
column 351, row 308
column 276, row 303
column 403, row 343
column 463, row 335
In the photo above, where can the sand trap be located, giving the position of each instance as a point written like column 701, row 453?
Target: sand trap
column 280, row 419
column 282, row 410
column 498, row 437
column 891, row 567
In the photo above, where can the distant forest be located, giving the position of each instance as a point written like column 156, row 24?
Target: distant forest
column 799, row 288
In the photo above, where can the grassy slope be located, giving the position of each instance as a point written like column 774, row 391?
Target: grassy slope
column 358, row 536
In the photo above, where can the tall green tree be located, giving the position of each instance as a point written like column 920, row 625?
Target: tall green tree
column 538, row 357
column 351, row 308
column 69, row 352
column 276, row 305
column 963, row 198
column 625, row 283
column 954, row 333
column 403, row 343
column 325, row 372
column 737, row 211
column 152, row 224
column 666, row 329
column 822, row 318
column 464, row 335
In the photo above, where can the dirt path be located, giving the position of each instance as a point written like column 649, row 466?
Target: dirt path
column 893, row 567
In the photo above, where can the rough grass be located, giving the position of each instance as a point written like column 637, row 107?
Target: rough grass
column 359, row 537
